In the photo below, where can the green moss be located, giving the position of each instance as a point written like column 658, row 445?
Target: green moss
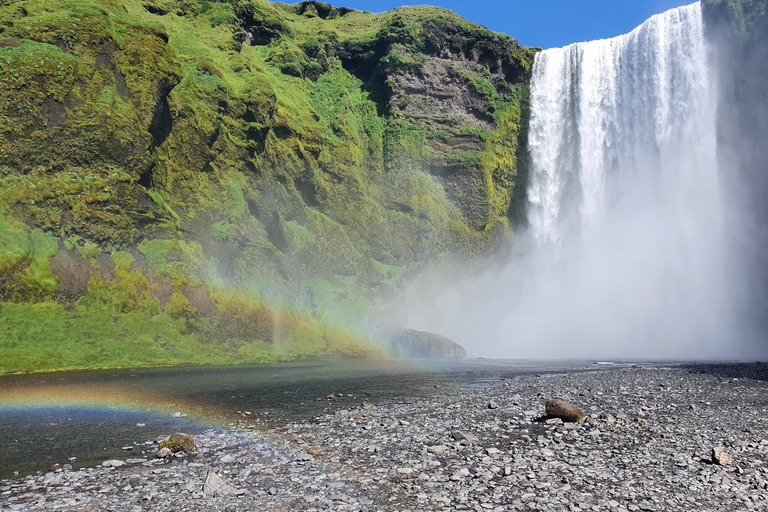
column 179, row 306
column 225, row 231
column 24, row 269
column 300, row 236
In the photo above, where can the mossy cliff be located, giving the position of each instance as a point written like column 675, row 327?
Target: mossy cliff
column 192, row 181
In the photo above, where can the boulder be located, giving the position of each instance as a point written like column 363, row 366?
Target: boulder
column 179, row 442
column 426, row 345
column 564, row 410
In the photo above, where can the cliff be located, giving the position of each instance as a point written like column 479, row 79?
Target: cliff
column 242, row 181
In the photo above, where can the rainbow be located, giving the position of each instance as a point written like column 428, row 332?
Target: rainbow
column 101, row 397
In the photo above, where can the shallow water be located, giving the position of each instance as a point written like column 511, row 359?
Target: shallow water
column 50, row 418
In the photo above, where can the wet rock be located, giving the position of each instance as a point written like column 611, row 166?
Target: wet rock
column 564, row 410
column 426, row 345
column 112, row 463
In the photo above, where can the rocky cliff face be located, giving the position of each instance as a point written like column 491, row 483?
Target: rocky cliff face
column 246, row 174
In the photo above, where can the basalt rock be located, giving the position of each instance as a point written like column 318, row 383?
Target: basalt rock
column 426, row 345
column 564, row 410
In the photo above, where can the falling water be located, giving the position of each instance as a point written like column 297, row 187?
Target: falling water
column 607, row 114
column 624, row 255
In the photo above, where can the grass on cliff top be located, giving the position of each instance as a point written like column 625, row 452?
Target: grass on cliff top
column 363, row 25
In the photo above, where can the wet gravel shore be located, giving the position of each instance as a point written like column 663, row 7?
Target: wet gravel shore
column 646, row 445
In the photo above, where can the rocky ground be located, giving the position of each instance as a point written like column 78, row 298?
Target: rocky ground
column 646, row 445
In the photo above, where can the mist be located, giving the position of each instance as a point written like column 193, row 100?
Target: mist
column 633, row 249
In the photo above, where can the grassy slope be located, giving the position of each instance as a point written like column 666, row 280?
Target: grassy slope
column 272, row 212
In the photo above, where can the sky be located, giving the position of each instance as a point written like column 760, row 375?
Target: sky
column 543, row 23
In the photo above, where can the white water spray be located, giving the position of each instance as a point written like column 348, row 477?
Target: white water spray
column 625, row 249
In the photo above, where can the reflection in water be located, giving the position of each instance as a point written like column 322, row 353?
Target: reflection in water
column 91, row 415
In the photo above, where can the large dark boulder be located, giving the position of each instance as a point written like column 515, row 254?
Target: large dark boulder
column 426, row 345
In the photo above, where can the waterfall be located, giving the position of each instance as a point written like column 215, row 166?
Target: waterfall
column 613, row 114
column 624, row 255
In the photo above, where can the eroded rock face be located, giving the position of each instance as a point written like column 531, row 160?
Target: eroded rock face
column 426, row 345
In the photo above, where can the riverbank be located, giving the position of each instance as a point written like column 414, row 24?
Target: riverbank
column 646, row 446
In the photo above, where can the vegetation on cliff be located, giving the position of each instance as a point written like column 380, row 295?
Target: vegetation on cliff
column 194, row 181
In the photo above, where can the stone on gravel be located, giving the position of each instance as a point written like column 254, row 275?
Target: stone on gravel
column 465, row 436
column 179, row 442
column 437, row 449
column 164, row 453
column 564, row 410
column 112, row 463
column 719, row 456
column 214, row 483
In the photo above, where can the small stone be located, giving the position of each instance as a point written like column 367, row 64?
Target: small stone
column 720, row 457
column 405, row 471
column 366, row 405
column 466, row 436
column 164, row 453
column 213, row 483
column 493, row 405
column 272, row 491
column 314, row 451
column 438, row 449
column 460, row 474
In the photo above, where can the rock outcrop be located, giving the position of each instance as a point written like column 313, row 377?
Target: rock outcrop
column 426, row 345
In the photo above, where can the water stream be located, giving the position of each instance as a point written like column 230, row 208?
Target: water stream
column 47, row 419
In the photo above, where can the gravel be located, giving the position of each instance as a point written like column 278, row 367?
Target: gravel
column 648, row 444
